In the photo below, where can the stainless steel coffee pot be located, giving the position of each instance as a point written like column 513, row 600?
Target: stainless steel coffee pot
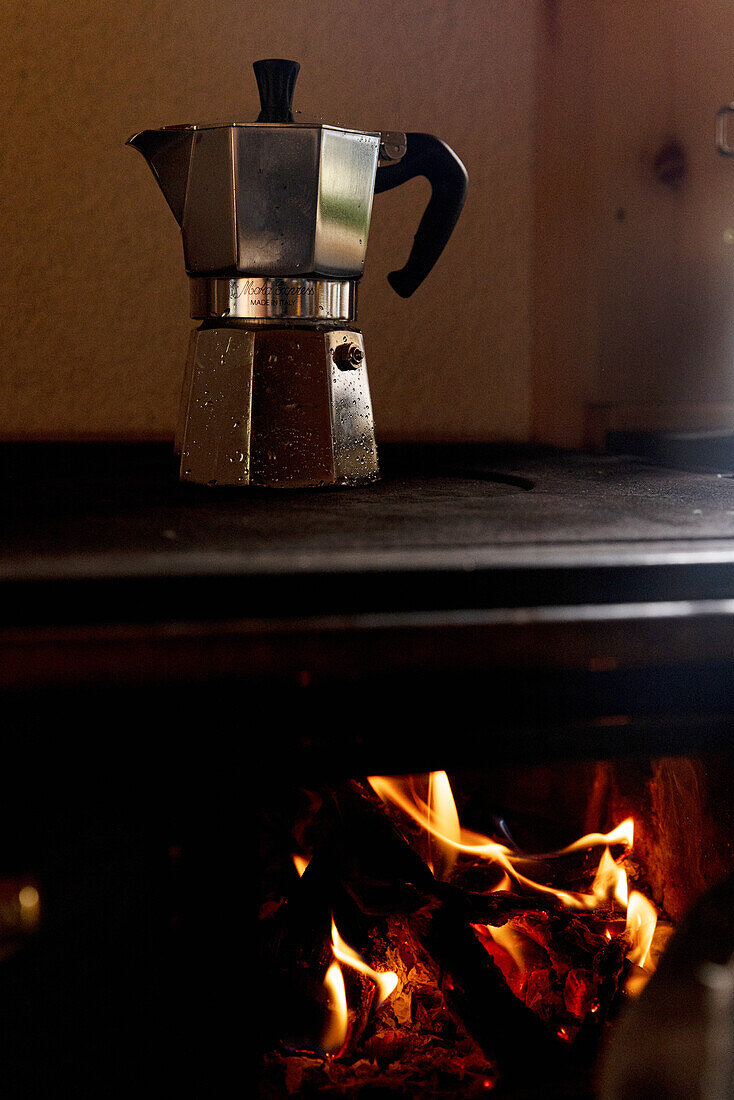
column 275, row 217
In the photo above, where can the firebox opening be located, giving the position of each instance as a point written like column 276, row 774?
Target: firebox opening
column 486, row 930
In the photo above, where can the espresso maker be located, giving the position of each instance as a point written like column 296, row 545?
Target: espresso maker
column 274, row 217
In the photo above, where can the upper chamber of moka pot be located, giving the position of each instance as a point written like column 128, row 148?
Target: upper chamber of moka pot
column 279, row 198
column 272, row 198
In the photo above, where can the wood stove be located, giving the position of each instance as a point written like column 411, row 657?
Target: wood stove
column 553, row 630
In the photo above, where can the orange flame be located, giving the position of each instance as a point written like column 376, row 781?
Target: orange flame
column 402, row 793
column 335, row 1033
column 514, row 944
column 385, row 982
column 444, row 822
column 610, row 881
column 622, row 834
column 300, row 863
column 641, row 922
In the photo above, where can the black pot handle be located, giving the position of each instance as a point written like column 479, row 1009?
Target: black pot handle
column 427, row 156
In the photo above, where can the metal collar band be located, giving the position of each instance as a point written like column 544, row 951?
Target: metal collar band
column 256, row 297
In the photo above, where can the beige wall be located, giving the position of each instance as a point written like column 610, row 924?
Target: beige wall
column 94, row 309
column 579, row 291
column 634, row 297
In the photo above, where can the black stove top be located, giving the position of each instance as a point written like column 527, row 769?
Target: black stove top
column 95, row 532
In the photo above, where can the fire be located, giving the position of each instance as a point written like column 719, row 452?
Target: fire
column 444, row 822
column 514, row 947
column 384, row 982
column 336, row 1031
column 610, row 881
column 300, row 863
column 436, row 814
column 623, row 834
column 403, row 794
column 641, row 922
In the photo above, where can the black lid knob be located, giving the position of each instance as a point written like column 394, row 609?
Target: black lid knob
column 276, row 80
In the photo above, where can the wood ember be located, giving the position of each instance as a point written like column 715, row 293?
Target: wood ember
column 574, row 970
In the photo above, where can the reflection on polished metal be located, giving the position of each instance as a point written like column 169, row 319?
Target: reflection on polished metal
column 353, row 429
column 215, row 414
column 274, row 407
column 262, row 298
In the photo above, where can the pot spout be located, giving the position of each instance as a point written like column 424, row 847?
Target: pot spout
column 168, row 154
